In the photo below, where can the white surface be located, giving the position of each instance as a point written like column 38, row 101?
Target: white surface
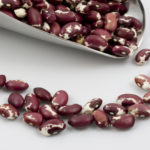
column 84, row 76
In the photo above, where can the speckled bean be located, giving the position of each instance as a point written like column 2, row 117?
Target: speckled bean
column 91, row 106
column 52, row 127
column 102, row 33
column 71, row 30
column 31, row 103
column 122, row 51
column 143, row 81
column 59, row 99
column 114, row 109
column 95, row 42
column 48, row 112
column 33, row 118
column 146, row 98
column 139, row 110
column 142, row 56
column 10, row 4
column 125, row 121
column 9, row 112
column 128, row 99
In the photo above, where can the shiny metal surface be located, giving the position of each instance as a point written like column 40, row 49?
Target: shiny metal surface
column 136, row 9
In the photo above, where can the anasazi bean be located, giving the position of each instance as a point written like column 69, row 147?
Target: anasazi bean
column 52, row 127
column 129, row 99
column 146, row 98
column 143, row 81
column 9, row 112
column 75, row 20
column 125, row 121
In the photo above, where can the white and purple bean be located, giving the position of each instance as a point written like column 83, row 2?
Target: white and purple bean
column 125, row 121
column 142, row 56
column 9, row 112
column 114, row 109
column 52, row 127
column 91, row 106
column 128, row 100
column 48, row 112
column 143, row 81
column 33, row 118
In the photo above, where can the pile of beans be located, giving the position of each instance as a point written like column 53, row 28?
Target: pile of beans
column 48, row 116
column 98, row 24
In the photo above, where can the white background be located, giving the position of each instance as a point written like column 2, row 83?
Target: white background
column 84, row 76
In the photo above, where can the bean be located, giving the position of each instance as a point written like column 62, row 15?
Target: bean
column 2, row 80
column 59, row 99
column 81, row 121
column 143, row 81
column 91, row 106
column 139, row 110
column 52, row 127
column 16, row 100
column 42, row 94
column 69, row 110
column 114, row 109
column 125, row 121
column 9, row 112
column 31, row 103
column 16, row 85
column 101, row 118
column 48, row 112
column 33, row 118
column 146, row 98
column 142, row 56
column 128, row 99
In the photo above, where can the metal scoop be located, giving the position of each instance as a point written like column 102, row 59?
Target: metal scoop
column 136, row 9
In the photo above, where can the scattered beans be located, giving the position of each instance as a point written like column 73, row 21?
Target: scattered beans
column 114, row 109
column 2, row 80
column 142, row 56
column 125, row 121
column 31, row 103
column 146, row 98
column 9, row 112
column 16, row 100
column 42, row 94
column 91, row 106
column 59, row 99
column 129, row 99
column 52, row 127
column 69, row 110
column 75, row 20
column 16, row 85
column 33, row 118
column 139, row 110
column 101, row 118
column 143, row 81
column 81, row 121
column 48, row 112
